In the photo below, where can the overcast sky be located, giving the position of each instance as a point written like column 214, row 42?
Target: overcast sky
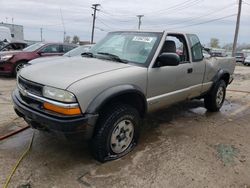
column 195, row 16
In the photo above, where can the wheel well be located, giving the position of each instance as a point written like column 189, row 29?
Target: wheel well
column 22, row 61
column 134, row 99
column 225, row 77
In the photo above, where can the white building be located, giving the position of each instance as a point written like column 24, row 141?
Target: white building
column 16, row 31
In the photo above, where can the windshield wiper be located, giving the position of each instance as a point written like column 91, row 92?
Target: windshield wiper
column 88, row 54
column 113, row 56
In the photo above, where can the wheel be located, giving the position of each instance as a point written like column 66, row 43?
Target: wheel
column 18, row 67
column 214, row 100
column 117, row 132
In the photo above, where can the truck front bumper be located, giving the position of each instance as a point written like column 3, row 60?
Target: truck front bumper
column 81, row 125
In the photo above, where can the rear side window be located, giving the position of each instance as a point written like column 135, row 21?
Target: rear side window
column 52, row 48
column 196, row 48
column 66, row 48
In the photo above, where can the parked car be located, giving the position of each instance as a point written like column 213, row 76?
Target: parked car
column 72, row 53
column 206, row 54
column 218, row 54
column 240, row 57
column 247, row 61
column 10, row 46
column 12, row 61
column 104, row 95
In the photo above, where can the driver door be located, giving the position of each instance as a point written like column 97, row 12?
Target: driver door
column 170, row 84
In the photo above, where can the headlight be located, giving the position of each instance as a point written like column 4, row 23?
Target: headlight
column 6, row 57
column 58, row 94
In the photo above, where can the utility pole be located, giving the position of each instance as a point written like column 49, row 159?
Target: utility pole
column 64, row 31
column 139, row 23
column 41, row 33
column 94, row 6
column 237, row 29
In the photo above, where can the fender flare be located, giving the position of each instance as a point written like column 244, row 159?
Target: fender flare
column 113, row 92
column 219, row 75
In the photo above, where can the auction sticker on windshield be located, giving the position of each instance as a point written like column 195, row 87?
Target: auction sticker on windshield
column 143, row 39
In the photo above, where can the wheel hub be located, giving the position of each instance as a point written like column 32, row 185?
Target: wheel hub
column 122, row 136
column 220, row 96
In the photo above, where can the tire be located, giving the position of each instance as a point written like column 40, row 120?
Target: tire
column 117, row 132
column 18, row 67
column 214, row 100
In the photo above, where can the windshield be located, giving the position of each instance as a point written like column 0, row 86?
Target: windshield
column 239, row 54
column 33, row 47
column 77, row 51
column 134, row 47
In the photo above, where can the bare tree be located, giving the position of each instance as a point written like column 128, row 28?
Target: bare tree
column 214, row 43
column 75, row 39
column 67, row 39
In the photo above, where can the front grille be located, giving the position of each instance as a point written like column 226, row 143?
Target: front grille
column 30, row 86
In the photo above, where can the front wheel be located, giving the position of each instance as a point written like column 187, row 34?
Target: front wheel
column 214, row 100
column 117, row 132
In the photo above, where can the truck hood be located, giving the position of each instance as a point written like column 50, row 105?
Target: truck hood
column 62, row 73
column 46, row 59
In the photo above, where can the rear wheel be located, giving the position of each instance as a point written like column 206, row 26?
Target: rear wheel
column 214, row 100
column 117, row 132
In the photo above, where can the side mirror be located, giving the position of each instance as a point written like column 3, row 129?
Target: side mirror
column 40, row 53
column 168, row 59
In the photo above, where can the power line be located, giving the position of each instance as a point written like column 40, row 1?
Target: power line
column 208, row 14
column 191, row 19
column 208, row 21
column 179, row 6
column 114, row 17
column 102, row 22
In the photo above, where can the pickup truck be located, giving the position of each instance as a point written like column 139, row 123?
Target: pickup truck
column 104, row 95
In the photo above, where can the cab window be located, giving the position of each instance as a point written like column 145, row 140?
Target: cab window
column 176, row 44
column 196, row 47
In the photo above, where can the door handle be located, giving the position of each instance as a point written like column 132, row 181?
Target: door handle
column 190, row 70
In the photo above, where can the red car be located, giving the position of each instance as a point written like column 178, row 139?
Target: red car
column 12, row 61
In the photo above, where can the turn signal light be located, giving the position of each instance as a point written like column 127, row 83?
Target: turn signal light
column 61, row 110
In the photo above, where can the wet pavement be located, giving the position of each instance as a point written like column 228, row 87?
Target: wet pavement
column 181, row 146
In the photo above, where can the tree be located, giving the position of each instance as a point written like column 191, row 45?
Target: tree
column 214, row 43
column 75, row 39
column 228, row 46
column 67, row 39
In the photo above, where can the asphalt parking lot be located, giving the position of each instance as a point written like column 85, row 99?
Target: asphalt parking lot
column 181, row 146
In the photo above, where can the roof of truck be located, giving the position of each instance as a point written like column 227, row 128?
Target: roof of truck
column 151, row 31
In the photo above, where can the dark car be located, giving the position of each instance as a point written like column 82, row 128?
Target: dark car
column 218, row 54
column 12, row 61
column 13, row 46
column 72, row 53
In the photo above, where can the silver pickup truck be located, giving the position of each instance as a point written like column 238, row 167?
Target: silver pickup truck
column 104, row 95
